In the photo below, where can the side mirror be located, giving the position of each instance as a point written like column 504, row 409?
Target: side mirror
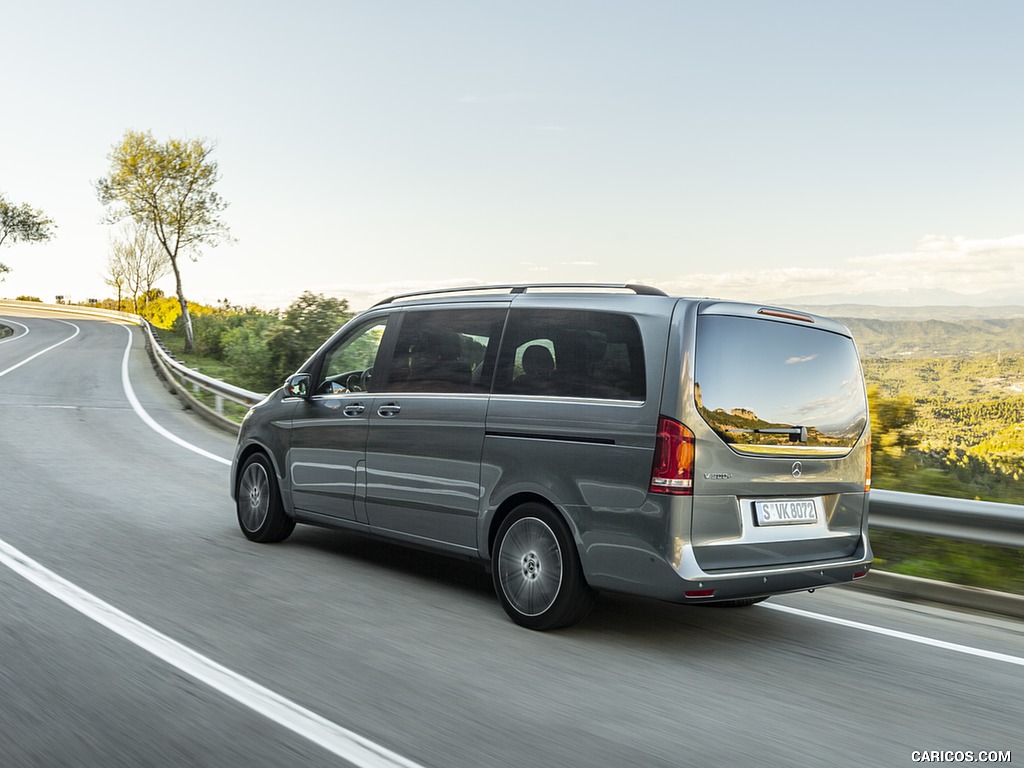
column 298, row 385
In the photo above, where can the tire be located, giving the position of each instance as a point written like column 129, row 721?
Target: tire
column 261, row 514
column 536, row 570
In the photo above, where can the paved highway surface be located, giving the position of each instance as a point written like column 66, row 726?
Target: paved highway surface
column 139, row 628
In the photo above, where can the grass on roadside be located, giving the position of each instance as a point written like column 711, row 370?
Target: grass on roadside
column 957, row 562
column 209, row 366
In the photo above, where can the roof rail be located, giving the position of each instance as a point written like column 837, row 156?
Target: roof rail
column 640, row 290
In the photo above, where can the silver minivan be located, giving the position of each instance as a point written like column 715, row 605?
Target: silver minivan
column 578, row 438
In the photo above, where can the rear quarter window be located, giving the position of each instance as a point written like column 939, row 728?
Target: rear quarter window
column 572, row 353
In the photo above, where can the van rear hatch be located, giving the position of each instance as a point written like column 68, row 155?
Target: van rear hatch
column 781, row 441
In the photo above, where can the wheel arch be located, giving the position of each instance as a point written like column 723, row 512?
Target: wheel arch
column 245, row 454
column 516, row 499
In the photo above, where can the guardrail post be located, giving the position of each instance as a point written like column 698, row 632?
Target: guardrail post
column 218, row 404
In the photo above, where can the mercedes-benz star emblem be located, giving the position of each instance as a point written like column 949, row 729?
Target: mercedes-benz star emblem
column 797, row 469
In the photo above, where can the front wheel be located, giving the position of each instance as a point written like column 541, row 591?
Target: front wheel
column 537, row 573
column 261, row 514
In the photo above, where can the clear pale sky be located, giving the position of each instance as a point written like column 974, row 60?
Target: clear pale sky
column 754, row 150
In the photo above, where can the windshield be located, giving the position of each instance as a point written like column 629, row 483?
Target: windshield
column 776, row 388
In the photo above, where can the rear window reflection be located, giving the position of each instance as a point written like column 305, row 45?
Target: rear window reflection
column 771, row 387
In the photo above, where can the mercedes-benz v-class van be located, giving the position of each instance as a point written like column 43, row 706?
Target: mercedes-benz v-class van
column 578, row 439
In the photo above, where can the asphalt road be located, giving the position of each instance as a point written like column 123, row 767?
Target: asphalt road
column 139, row 628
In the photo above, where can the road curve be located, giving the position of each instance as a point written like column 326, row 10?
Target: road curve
column 405, row 654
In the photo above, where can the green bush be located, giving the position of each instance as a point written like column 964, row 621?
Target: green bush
column 245, row 350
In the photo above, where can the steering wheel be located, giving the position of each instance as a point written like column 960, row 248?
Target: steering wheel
column 359, row 381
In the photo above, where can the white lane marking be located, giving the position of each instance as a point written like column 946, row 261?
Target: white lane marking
column 921, row 639
column 19, row 336
column 339, row 741
column 142, row 414
column 44, row 406
column 44, row 351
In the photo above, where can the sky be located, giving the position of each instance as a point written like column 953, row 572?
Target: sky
column 858, row 151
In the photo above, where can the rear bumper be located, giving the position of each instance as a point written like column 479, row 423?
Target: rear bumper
column 754, row 582
column 686, row 582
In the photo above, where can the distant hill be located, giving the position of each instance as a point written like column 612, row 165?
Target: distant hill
column 918, row 296
column 934, row 312
column 936, row 338
column 932, row 331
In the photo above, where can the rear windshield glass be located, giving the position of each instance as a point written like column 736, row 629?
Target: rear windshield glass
column 770, row 387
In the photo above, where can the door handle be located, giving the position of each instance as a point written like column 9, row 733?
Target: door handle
column 354, row 409
column 389, row 409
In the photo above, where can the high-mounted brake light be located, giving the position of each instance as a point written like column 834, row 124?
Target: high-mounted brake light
column 673, row 459
column 785, row 315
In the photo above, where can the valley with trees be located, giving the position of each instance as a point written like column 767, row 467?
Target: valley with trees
column 947, row 404
column 947, row 418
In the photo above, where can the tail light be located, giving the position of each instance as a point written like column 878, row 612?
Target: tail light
column 867, row 469
column 673, row 459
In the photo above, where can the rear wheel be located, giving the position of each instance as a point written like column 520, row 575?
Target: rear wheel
column 261, row 514
column 537, row 573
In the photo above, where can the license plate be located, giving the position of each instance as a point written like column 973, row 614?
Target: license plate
column 786, row 512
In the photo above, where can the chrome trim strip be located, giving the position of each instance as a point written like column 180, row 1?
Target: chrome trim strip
column 573, row 400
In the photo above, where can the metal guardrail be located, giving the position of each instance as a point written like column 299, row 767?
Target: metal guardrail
column 174, row 370
column 985, row 522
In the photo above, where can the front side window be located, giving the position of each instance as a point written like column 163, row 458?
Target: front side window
column 776, row 388
column 446, row 350
column 572, row 353
column 348, row 367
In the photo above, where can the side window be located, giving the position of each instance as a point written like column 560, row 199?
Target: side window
column 572, row 353
column 348, row 367
column 446, row 350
